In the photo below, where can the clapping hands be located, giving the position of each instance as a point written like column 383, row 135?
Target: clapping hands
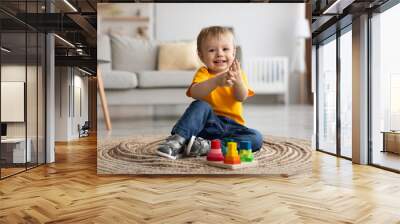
column 232, row 76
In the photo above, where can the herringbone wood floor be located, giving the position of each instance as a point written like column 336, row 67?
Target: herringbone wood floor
column 69, row 191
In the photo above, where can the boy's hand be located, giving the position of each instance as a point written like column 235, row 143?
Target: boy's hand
column 233, row 74
column 224, row 80
column 231, row 77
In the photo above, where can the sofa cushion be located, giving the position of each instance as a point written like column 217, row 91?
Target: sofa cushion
column 132, row 54
column 151, row 79
column 151, row 96
column 178, row 56
column 104, row 52
column 119, row 80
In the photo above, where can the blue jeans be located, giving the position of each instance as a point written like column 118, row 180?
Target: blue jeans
column 200, row 120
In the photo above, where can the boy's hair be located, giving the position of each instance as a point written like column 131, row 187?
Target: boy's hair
column 212, row 31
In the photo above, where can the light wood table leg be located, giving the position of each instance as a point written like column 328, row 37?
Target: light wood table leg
column 103, row 99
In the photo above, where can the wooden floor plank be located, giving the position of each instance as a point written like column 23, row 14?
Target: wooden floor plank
column 70, row 191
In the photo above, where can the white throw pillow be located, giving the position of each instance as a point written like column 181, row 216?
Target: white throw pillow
column 132, row 54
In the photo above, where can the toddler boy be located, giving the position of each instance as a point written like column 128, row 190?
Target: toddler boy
column 219, row 88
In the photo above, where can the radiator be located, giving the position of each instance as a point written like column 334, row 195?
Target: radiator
column 268, row 75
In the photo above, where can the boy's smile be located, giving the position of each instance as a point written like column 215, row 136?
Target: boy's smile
column 219, row 65
column 220, row 62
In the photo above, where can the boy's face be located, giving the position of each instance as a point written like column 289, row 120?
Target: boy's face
column 218, row 53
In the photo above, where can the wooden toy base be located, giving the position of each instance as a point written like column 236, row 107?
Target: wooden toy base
column 221, row 164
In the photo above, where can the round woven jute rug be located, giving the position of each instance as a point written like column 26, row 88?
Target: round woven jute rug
column 136, row 155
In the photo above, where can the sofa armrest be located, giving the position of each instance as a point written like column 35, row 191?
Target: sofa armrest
column 119, row 80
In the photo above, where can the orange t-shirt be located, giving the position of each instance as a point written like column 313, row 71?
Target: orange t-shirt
column 222, row 99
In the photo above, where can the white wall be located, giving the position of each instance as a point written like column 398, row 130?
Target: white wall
column 61, row 104
column 67, row 116
column 80, row 103
column 261, row 29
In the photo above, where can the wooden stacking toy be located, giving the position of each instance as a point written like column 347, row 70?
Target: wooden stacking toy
column 232, row 159
column 215, row 154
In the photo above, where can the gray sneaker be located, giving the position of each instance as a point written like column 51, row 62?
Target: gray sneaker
column 172, row 147
column 197, row 146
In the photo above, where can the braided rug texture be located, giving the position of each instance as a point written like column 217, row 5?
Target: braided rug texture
column 136, row 155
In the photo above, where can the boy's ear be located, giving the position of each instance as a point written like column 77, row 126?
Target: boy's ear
column 200, row 55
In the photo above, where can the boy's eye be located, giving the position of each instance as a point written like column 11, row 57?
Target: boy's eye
column 211, row 50
column 226, row 49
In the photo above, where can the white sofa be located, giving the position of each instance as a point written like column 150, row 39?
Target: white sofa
column 133, row 83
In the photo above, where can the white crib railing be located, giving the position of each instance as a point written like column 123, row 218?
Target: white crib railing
column 268, row 75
